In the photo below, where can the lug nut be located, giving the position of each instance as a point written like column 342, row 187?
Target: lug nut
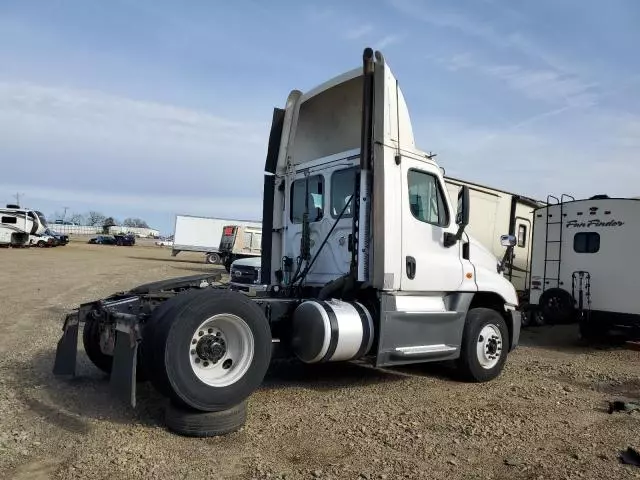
column 194, row 341
column 210, row 330
column 200, row 333
column 206, row 364
column 198, row 360
column 193, row 352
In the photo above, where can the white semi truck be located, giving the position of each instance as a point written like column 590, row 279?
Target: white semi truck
column 203, row 234
column 367, row 260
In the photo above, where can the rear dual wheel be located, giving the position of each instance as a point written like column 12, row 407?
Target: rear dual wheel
column 208, row 350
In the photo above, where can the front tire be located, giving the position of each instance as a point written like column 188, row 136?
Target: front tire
column 485, row 343
column 212, row 351
column 41, row 244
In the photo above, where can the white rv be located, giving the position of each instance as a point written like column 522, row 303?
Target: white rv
column 18, row 224
column 583, row 263
column 495, row 212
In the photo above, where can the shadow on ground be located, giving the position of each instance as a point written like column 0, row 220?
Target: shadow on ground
column 173, row 260
column 566, row 339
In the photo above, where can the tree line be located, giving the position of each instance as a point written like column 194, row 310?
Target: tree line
column 97, row 219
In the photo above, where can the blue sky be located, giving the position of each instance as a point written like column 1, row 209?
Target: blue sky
column 151, row 108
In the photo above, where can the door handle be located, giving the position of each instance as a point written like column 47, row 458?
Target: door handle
column 411, row 268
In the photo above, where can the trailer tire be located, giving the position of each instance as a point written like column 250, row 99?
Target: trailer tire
column 216, row 371
column 484, row 347
column 212, row 258
column 557, row 306
column 192, row 423
column 91, row 343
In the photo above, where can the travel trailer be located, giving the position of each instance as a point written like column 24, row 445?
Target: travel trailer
column 583, row 259
column 494, row 213
column 364, row 257
column 17, row 225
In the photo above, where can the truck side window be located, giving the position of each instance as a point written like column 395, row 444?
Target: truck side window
column 522, row 235
column 316, row 199
column 426, row 199
column 586, row 242
column 9, row 220
column 342, row 188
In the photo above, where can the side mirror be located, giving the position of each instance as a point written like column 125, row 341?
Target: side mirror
column 462, row 215
column 508, row 240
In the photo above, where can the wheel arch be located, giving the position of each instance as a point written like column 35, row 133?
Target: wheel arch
column 496, row 302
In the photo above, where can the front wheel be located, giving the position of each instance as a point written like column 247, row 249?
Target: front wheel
column 212, row 350
column 41, row 244
column 485, row 343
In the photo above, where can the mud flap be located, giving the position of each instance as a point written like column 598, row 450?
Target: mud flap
column 123, row 371
column 67, row 350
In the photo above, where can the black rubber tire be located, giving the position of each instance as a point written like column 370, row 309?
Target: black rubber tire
column 192, row 423
column 468, row 364
column 91, row 343
column 212, row 258
column 41, row 244
column 557, row 306
column 151, row 364
column 173, row 332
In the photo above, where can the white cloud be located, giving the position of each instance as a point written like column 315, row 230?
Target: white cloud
column 93, row 140
column 388, row 40
column 359, row 32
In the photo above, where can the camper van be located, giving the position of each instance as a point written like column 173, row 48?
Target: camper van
column 583, row 256
column 17, row 225
column 495, row 212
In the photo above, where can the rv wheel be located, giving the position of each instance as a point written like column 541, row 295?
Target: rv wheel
column 485, row 343
column 556, row 306
column 212, row 350
column 212, row 258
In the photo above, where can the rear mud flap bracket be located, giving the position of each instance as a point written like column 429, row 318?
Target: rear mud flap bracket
column 67, row 349
column 125, row 359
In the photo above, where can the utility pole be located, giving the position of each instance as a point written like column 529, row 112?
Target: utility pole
column 64, row 215
column 17, row 197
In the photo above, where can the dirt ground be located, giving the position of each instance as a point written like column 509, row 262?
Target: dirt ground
column 544, row 418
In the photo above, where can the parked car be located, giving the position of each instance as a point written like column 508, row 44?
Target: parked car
column 119, row 239
column 123, row 239
column 42, row 241
column 103, row 240
column 58, row 238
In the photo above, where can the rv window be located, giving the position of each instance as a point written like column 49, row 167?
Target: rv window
column 342, row 187
column 522, row 235
column 586, row 242
column 315, row 198
column 426, row 200
column 9, row 220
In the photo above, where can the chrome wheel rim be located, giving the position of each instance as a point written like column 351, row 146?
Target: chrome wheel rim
column 221, row 350
column 489, row 346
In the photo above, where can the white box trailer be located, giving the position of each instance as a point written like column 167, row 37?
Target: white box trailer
column 203, row 234
column 494, row 213
column 583, row 264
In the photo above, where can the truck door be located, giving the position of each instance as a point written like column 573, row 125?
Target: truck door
column 427, row 264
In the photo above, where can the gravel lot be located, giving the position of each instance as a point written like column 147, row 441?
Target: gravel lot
column 544, row 418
